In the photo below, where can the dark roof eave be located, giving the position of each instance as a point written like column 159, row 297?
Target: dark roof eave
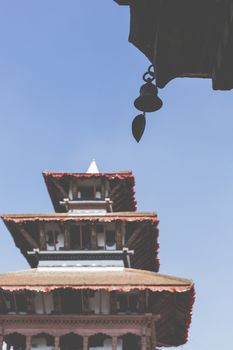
column 191, row 53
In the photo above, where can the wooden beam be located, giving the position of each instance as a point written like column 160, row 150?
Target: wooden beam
column 135, row 234
column 27, row 236
column 66, row 231
column 114, row 189
column 144, row 252
column 57, row 301
column 117, row 197
column 124, row 199
column 93, row 237
column 56, row 342
column 113, row 302
column 85, row 301
column 3, row 306
column 60, row 188
column 42, row 235
column 120, row 202
column 119, row 235
column 30, row 298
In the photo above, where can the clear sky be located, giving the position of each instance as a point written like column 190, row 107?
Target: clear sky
column 68, row 79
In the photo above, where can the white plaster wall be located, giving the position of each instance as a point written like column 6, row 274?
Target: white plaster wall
column 70, row 195
column 95, row 302
column 123, row 232
column 119, row 344
column 108, row 345
column 38, row 303
column 48, row 302
column 100, row 299
column 112, row 247
column 60, row 243
column 111, row 226
column 100, row 239
column 49, row 305
column 60, row 238
column 40, row 343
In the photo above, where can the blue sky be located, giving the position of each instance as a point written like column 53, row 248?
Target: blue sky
column 68, row 79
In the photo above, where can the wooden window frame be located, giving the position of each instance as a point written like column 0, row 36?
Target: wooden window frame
column 81, row 236
column 105, row 236
column 55, row 234
column 127, row 296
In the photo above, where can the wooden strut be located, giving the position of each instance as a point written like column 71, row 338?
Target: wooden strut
column 85, row 343
column 144, row 342
column 120, row 203
column 65, row 229
column 114, row 190
column 117, row 196
column 114, row 343
column 135, row 234
column 118, row 235
column 27, row 236
column 93, row 237
column 57, row 343
column 42, row 235
column 153, row 334
column 28, row 342
column 60, row 188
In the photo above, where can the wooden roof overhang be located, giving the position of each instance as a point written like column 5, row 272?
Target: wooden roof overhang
column 121, row 188
column 172, row 297
column 27, row 232
column 185, row 38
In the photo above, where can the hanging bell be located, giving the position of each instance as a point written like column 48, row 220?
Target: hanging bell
column 148, row 101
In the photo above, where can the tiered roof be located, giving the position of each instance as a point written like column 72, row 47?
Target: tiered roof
column 121, row 185
column 172, row 297
column 121, row 280
column 25, row 230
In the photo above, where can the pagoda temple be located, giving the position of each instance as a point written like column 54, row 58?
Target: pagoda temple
column 93, row 281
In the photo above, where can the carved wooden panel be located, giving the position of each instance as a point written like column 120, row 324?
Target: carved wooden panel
column 85, row 302
column 118, row 236
column 113, row 302
column 93, row 237
column 142, row 302
column 42, row 236
column 30, row 297
column 57, row 301
column 2, row 303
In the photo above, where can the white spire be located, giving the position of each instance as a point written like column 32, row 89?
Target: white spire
column 93, row 169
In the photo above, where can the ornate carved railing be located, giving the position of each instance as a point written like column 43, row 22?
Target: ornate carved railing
column 79, row 324
column 84, row 325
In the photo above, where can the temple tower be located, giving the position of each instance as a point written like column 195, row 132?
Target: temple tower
column 93, row 282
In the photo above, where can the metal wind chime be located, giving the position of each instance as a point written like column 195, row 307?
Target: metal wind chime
column 148, row 101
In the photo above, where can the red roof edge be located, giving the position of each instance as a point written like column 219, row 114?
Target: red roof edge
column 110, row 176
column 79, row 218
column 49, row 288
column 189, row 319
